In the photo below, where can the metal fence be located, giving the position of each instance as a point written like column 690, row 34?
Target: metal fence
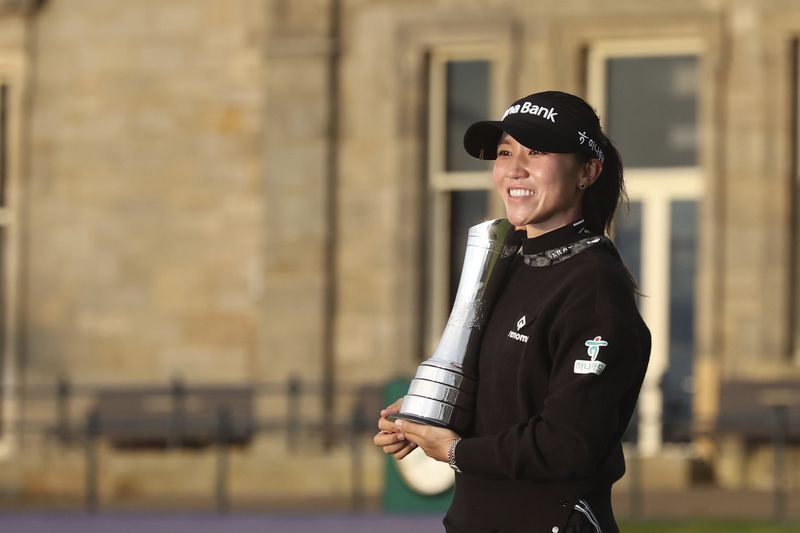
column 180, row 414
column 192, row 415
column 769, row 426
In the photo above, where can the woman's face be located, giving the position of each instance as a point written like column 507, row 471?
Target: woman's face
column 541, row 191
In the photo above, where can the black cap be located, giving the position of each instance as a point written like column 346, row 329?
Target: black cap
column 551, row 121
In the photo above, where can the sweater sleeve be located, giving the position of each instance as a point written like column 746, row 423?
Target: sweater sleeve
column 597, row 366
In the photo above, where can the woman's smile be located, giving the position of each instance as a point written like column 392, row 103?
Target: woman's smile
column 520, row 193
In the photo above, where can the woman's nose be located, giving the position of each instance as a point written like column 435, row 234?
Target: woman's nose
column 516, row 168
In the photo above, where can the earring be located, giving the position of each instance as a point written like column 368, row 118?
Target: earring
column 582, row 186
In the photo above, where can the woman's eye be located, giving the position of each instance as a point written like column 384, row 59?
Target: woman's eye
column 535, row 152
column 501, row 153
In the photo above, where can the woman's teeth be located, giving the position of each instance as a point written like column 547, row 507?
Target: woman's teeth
column 519, row 193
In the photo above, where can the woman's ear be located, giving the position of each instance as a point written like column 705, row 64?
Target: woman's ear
column 591, row 171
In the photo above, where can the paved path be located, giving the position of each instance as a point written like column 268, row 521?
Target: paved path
column 691, row 504
column 30, row 522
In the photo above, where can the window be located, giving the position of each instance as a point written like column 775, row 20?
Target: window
column 648, row 98
column 651, row 109
column 462, row 89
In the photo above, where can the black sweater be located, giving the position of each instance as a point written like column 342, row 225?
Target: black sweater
column 559, row 370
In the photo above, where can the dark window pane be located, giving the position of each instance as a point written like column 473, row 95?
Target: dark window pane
column 677, row 384
column 628, row 238
column 652, row 110
column 467, row 208
column 467, row 102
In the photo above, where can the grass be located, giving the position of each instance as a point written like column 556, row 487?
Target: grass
column 706, row 526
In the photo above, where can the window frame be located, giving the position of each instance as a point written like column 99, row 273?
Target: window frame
column 12, row 75
column 656, row 188
column 441, row 183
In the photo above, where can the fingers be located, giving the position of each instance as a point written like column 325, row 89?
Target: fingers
column 410, row 447
column 392, row 409
column 384, row 424
column 394, row 448
column 411, row 428
column 400, row 449
column 393, row 444
column 400, row 437
column 415, row 433
column 384, row 438
column 423, row 430
column 434, row 441
column 387, row 425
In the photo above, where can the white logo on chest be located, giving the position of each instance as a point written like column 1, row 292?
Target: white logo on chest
column 515, row 334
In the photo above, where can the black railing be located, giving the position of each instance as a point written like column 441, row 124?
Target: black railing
column 766, row 425
column 83, row 414
column 220, row 417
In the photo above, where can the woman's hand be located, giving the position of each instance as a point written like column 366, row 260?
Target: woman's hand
column 390, row 438
column 434, row 441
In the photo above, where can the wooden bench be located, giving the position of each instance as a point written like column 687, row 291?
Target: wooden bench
column 174, row 416
column 756, row 410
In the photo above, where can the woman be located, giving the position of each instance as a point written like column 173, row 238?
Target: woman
column 553, row 400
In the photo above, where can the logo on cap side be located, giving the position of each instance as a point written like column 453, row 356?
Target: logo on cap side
column 583, row 138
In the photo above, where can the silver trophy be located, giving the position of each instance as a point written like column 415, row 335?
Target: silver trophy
column 442, row 392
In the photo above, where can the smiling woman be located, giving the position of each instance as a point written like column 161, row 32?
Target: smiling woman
column 569, row 130
column 563, row 354
column 541, row 191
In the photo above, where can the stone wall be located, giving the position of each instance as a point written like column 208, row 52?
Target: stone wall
column 146, row 222
column 234, row 190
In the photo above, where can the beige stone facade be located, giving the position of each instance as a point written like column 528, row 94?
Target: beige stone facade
column 238, row 191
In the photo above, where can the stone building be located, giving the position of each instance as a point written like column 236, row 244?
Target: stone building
column 237, row 192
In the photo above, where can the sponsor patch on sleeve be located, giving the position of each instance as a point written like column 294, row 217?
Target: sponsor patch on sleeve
column 592, row 350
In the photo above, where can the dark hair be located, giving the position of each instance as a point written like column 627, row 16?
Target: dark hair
column 601, row 199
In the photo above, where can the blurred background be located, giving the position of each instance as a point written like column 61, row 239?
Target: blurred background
column 231, row 229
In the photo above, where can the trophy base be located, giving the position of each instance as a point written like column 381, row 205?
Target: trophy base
column 418, row 420
column 440, row 397
column 445, row 374
column 435, row 413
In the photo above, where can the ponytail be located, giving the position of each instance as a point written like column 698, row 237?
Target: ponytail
column 600, row 201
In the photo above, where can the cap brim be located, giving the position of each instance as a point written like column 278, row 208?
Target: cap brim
column 481, row 139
